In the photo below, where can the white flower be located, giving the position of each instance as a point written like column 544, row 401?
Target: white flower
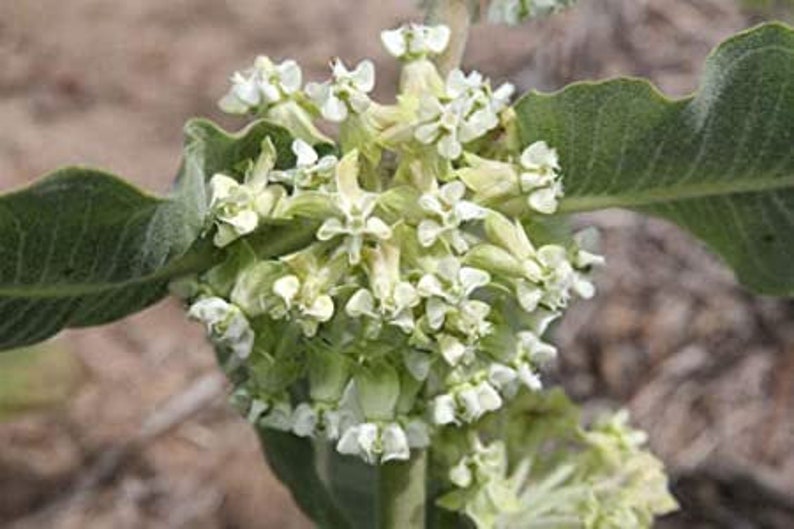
column 453, row 350
column 233, row 205
column 303, row 302
column 226, row 324
column 448, row 205
column 310, row 172
column 237, row 207
column 443, row 410
column 461, row 475
column 558, row 276
column 390, row 298
column 416, row 41
column 304, row 420
column 395, row 443
column 375, row 443
column 356, row 207
column 476, row 401
column 467, row 402
column 264, row 84
column 530, row 378
column 447, row 292
column 477, row 91
column 534, row 349
column 539, row 177
column 440, row 124
column 346, row 91
column 503, row 378
column 278, row 417
column 308, row 420
column 468, row 110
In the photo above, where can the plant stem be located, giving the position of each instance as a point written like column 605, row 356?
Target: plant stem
column 402, row 493
column 456, row 15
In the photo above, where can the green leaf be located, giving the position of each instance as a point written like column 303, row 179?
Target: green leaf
column 293, row 461
column 720, row 164
column 82, row 247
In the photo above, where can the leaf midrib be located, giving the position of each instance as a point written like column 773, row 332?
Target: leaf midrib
column 192, row 262
column 675, row 193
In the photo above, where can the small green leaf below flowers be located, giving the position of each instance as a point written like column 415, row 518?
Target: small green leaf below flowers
column 718, row 164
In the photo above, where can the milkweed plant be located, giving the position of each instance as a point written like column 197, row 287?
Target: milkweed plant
column 378, row 279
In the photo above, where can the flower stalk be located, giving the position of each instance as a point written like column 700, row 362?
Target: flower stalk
column 402, row 493
column 457, row 16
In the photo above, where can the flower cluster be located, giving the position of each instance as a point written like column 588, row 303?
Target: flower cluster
column 412, row 304
column 605, row 477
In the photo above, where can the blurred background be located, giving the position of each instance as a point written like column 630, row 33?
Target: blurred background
column 129, row 427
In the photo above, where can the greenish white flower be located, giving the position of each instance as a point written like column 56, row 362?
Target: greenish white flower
column 454, row 350
column 310, row 172
column 468, row 110
column 549, row 274
column 346, row 92
column 389, row 299
column 278, row 417
column 226, row 324
column 521, row 367
column 443, row 410
column 416, row 41
column 312, row 420
column 237, row 207
column 558, row 277
column 477, row 92
column 467, row 403
column 447, row 294
column 234, row 209
column 356, row 221
column 451, row 210
column 478, row 400
column 264, row 84
column 375, row 443
column 535, row 350
column 302, row 301
column 461, row 475
column 539, row 177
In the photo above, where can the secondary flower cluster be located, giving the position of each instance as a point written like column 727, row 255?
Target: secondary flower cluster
column 603, row 476
column 413, row 304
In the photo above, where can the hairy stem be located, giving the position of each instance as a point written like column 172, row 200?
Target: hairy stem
column 457, row 15
column 402, row 493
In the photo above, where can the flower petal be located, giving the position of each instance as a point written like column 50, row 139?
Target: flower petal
column 395, row 444
column 394, row 42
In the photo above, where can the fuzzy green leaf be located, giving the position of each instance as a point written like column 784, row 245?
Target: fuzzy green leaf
column 720, row 164
column 82, row 247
